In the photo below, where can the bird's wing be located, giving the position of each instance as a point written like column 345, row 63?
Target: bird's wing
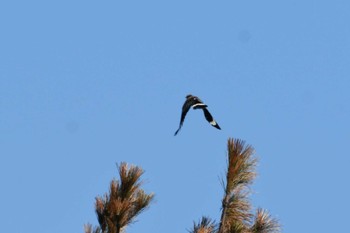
column 210, row 118
column 185, row 108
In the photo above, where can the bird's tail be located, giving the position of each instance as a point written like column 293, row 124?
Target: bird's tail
column 215, row 124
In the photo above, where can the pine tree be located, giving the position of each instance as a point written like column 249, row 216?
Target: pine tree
column 123, row 203
column 126, row 199
column 236, row 216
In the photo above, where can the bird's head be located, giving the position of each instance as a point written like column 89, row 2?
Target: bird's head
column 188, row 96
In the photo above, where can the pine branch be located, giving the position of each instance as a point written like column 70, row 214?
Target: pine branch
column 88, row 229
column 206, row 225
column 240, row 173
column 264, row 223
column 124, row 202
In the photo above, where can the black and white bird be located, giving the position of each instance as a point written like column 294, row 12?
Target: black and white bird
column 195, row 103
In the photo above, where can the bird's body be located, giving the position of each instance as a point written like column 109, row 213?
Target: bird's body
column 196, row 103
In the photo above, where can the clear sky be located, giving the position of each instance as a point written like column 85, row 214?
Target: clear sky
column 87, row 84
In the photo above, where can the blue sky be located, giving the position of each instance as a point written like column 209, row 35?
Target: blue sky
column 86, row 84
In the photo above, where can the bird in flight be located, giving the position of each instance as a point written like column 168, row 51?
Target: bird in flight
column 196, row 103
